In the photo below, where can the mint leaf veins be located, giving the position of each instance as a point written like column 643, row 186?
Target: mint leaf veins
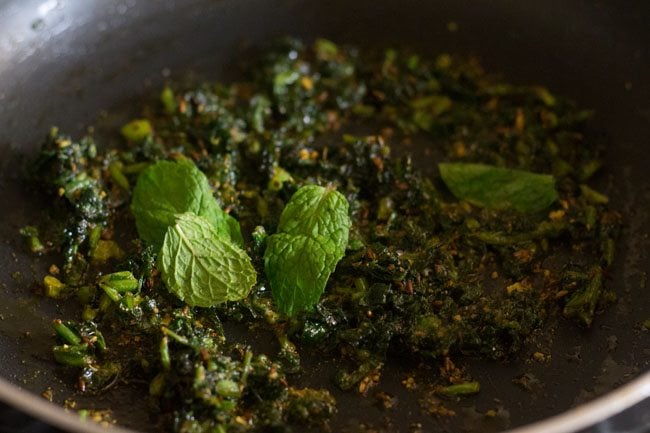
column 167, row 189
column 311, row 239
column 201, row 266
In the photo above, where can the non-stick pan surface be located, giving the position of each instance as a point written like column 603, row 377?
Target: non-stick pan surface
column 75, row 63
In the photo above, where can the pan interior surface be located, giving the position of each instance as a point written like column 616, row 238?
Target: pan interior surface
column 74, row 64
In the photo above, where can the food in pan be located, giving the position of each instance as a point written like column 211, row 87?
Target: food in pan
column 352, row 206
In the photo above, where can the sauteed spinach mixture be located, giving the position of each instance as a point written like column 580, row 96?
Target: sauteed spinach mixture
column 288, row 202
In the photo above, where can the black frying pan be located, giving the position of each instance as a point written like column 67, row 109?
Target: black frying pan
column 68, row 62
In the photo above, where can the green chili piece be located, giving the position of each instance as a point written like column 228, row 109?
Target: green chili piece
column 165, row 359
column 460, row 389
column 246, row 368
column 168, row 100
column 137, row 130
column 112, row 294
column 88, row 314
column 67, row 334
column 73, row 356
column 100, row 341
column 593, row 196
column 178, row 338
column 54, row 288
column 120, row 282
column 105, row 300
column 94, row 237
column 157, row 385
column 31, row 233
column 115, row 170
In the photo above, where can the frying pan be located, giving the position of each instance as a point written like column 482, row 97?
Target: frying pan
column 74, row 63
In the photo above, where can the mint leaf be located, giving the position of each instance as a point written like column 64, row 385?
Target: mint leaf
column 311, row 239
column 201, row 266
column 298, row 268
column 499, row 188
column 317, row 211
column 166, row 189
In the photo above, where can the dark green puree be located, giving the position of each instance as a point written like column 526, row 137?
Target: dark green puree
column 259, row 203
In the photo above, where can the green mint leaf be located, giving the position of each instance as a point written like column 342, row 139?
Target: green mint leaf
column 201, row 266
column 499, row 188
column 311, row 239
column 298, row 268
column 317, row 211
column 167, row 189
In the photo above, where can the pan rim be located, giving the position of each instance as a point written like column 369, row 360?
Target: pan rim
column 576, row 419
column 50, row 413
column 590, row 414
